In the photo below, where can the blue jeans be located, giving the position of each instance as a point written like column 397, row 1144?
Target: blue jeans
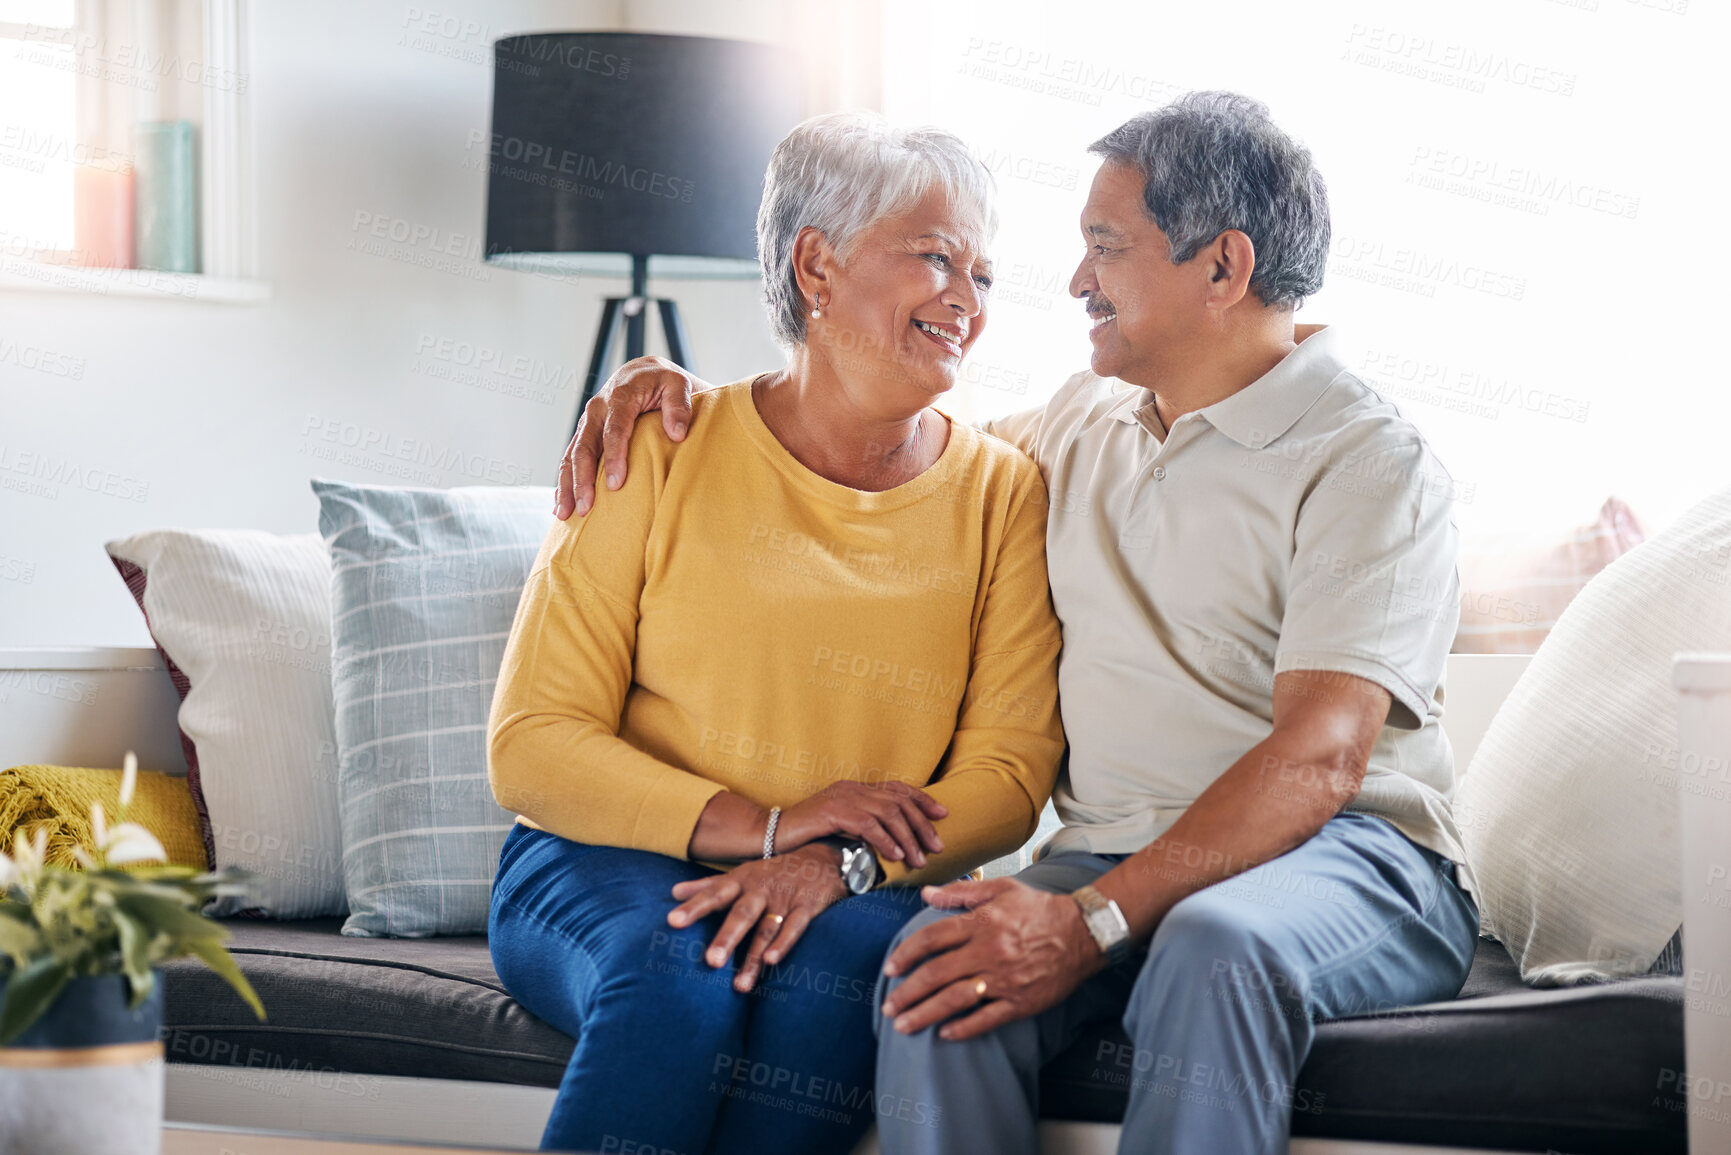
column 1220, row 1009
column 670, row 1058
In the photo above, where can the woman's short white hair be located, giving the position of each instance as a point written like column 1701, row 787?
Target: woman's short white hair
column 841, row 173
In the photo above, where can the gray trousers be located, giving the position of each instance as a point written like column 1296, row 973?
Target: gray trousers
column 1219, row 1009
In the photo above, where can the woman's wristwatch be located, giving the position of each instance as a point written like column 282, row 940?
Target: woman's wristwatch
column 1105, row 922
column 859, row 864
column 859, row 867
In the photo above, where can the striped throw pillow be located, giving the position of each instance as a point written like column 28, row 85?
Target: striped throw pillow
column 243, row 621
column 425, row 583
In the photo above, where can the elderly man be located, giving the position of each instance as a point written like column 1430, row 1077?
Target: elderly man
column 1253, row 559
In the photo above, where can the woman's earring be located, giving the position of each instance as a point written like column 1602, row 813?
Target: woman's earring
column 816, row 308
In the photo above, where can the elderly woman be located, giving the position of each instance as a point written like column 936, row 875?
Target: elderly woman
column 747, row 706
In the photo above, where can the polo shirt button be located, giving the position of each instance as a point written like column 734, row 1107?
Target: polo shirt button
column 1159, row 473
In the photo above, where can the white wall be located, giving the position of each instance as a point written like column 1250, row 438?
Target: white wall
column 1547, row 317
column 202, row 411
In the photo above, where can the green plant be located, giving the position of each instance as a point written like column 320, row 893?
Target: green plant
column 116, row 915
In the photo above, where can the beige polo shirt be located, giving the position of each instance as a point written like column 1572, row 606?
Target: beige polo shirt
column 1302, row 523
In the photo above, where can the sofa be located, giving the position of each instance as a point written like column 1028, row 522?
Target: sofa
column 415, row 1039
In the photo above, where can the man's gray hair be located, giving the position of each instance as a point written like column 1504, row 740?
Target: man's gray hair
column 841, row 173
column 1214, row 161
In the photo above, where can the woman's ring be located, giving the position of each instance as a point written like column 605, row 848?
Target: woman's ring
column 979, row 988
column 778, row 918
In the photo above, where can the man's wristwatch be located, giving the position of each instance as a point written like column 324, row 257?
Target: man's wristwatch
column 859, row 866
column 1105, row 922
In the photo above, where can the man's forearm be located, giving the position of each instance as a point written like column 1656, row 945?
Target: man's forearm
column 1270, row 801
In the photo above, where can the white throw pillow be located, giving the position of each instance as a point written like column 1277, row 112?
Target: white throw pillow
column 243, row 619
column 1569, row 811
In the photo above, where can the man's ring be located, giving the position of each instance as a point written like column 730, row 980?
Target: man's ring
column 778, row 918
column 979, row 988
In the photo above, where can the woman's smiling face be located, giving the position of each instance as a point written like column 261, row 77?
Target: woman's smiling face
column 907, row 302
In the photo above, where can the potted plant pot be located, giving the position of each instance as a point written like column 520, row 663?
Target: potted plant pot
column 86, row 1077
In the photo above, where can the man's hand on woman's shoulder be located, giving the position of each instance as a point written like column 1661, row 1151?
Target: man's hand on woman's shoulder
column 604, row 433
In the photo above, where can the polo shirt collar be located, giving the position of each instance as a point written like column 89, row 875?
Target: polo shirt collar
column 1262, row 412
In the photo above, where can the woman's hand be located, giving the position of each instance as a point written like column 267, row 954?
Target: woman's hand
column 779, row 896
column 894, row 819
column 604, row 433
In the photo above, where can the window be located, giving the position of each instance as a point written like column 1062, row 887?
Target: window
column 1522, row 204
column 124, row 148
column 39, row 136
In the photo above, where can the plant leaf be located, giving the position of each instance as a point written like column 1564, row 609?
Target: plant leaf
column 19, row 938
column 216, row 956
column 164, row 916
column 29, row 992
column 135, row 956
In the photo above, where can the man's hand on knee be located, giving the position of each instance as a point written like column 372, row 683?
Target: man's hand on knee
column 1016, row 952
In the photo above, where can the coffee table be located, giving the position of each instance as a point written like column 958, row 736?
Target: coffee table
column 192, row 1139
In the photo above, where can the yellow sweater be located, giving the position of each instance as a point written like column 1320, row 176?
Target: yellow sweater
column 729, row 620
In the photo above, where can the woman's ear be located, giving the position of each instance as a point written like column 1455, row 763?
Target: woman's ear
column 814, row 267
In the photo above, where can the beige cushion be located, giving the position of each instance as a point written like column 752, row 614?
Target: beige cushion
column 1569, row 810
column 243, row 619
column 1514, row 587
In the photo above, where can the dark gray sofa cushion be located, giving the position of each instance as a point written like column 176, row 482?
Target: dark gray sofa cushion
column 1577, row 1070
column 429, row 1007
column 1582, row 1069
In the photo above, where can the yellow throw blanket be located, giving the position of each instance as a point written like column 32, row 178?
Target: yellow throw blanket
column 61, row 796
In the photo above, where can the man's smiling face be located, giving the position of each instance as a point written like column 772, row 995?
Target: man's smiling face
column 1143, row 306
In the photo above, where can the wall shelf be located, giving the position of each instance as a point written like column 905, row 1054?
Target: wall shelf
column 35, row 276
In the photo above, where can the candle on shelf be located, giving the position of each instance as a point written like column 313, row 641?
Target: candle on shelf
column 102, row 216
column 166, row 214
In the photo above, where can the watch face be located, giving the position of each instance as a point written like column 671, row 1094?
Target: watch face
column 858, row 869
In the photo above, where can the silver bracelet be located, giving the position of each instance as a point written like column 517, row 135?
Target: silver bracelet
column 769, row 833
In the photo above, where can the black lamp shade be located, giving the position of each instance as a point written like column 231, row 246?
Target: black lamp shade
column 624, row 142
